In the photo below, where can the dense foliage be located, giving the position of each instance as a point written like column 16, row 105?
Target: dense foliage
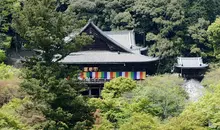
column 45, row 29
column 169, row 28
column 167, row 98
column 8, row 72
column 200, row 115
column 159, row 103
column 45, row 81
column 44, row 98
column 9, row 83
column 212, row 78
column 213, row 31
column 139, row 105
column 149, row 106
column 6, row 10
column 59, row 98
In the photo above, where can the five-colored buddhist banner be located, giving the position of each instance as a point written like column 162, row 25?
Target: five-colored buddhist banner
column 111, row 75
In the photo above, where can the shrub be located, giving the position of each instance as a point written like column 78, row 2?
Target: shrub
column 2, row 55
column 8, row 72
column 140, row 121
column 118, row 86
column 212, row 78
column 9, row 118
column 9, row 83
column 163, row 94
column 199, row 115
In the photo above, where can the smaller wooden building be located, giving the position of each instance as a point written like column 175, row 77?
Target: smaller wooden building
column 190, row 67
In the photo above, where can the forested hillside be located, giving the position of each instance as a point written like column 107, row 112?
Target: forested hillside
column 40, row 96
column 169, row 28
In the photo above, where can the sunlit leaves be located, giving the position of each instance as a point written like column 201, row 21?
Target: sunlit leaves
column 214, row 36
column 45, row 29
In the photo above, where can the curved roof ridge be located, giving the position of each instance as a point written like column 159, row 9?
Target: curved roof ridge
column 118, row 31
column 188, row 57
column 127, row 39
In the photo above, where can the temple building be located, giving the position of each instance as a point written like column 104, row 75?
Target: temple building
column 112, row 54
column 191, row 67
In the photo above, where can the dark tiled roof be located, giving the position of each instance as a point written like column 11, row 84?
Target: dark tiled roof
column 105, row 57
column 105, row 35
column 123, row 39
column 190, row 62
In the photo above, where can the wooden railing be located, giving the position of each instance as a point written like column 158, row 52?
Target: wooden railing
column 94, row 81
column 140, row 75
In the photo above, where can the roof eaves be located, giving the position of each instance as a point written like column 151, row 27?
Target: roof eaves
column 132, row 36
column 189, row 67
column 108, row 62
column 199, row 60
column 144, row 49
column 118, row 44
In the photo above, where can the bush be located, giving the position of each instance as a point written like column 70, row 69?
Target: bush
column 20, row 114
column 212, row 78
column 9, row 83
column 2, row 55
column 9, row 118
column 8, row 92
column 8, row 72
column 199, row 115
column 140, row 121
column 118, row 86
column 163, row 94
column 112, row 103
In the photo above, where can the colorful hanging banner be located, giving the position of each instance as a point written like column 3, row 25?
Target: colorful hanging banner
column 111, row 75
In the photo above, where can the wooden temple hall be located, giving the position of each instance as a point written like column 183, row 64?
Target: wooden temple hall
column 191, row 67
column 112, row 54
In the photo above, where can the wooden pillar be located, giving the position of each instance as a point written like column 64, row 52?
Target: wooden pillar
column 90, row 93
column 181, row 72
column 99, row 91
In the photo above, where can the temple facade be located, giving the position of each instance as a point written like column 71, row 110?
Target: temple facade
column 112, row 54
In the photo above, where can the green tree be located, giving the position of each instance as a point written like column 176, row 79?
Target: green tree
column 163, row 97
column 199, row 37
column 8, row 72
column 20, row 114
column 214, row 36
column 116, row 87
column 59, row 99
column 7, row 8
column 45, row 29
column 9, row 116
column 211, row 78
column 104, row 124
column 167, row 34
column 162, row 22
column 107, row 14
column 140, row 121
column 195, row 9
column 203, row 114
column 112, row 104
column 163, row 25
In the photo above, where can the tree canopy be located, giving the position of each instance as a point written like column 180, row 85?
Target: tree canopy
column 44, row 28
column 214, row 35
column 47, row 99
